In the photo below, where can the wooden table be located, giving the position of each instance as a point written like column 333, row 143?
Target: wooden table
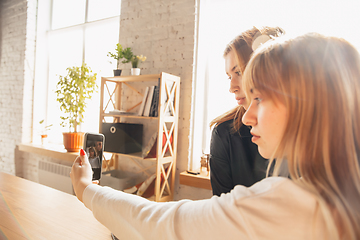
column 29, row 210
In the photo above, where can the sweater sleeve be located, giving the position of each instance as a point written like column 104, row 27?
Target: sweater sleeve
column 236, row 215
column 220, row 167
column 129, row 216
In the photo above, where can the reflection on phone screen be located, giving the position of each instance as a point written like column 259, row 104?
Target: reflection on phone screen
column 94, row 151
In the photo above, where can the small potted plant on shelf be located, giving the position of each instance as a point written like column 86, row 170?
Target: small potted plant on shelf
column 135, row 63
column 72, row 92
column 44, row 129
column 119, row 54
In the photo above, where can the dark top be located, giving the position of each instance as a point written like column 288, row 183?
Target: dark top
column 234, row 159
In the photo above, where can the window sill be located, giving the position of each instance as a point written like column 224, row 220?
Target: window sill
column 201, row 180
column 49, row 150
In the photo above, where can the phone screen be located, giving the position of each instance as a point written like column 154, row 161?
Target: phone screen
column 94, row 148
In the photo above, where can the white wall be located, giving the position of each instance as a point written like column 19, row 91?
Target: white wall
column 164, row 31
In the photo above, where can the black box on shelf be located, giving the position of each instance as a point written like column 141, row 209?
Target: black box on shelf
column 122, row 137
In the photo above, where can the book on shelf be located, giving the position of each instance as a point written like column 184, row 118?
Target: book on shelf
column 142, row 105
column 149, row 101
column 155, row 101
column 154, row 104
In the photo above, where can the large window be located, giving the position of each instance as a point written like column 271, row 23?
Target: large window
column 69, row 33
column 221, row 21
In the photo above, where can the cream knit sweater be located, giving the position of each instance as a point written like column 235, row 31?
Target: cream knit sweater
column 274, row 208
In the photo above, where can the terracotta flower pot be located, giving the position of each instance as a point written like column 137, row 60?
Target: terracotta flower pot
column 73, row 142
column 43, row 137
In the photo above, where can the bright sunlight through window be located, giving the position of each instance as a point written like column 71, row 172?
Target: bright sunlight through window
column 69, row 33
column 221, row 21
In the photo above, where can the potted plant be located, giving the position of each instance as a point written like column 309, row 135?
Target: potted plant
column 119, row 54
column 135, row 63
column 72, row 92
column 44, row 129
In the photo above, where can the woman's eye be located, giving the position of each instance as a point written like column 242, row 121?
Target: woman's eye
column 257, row 99
column 238, row 73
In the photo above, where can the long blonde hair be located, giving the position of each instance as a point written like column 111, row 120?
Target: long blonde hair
column 318, row 80
column 242, row 45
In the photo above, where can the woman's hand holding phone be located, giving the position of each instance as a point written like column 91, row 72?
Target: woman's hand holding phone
column 81, row 174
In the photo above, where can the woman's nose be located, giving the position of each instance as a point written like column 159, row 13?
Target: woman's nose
column 234, row 85
column 233, row 89
column 249, row 117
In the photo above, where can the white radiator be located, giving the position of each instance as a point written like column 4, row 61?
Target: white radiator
column 56, row 176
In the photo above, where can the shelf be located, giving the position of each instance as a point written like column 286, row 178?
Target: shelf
column 137, row 155
column 201, row 180
column 118, row 93
column 166, row 118
column 50, row 150
column 127, row 116
column 140, row 78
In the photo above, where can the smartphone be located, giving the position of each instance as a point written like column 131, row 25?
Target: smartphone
column 94, row 149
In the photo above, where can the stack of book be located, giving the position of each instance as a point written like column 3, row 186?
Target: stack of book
column 150, row 103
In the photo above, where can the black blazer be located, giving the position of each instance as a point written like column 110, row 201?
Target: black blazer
column 234, row 159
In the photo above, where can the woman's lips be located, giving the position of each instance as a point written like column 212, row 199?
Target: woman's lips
column 254, row 138
column 241, row 101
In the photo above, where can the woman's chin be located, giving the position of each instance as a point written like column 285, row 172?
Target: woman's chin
column 264, row 153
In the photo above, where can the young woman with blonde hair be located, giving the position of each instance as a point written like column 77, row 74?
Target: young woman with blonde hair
column 304, row 106
column 234, row 159
column 315, row 82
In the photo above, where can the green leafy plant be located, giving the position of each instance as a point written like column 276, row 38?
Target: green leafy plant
column 128, row 55
column 72, row 92
column 135, row 60
column 121, row 53
column 44, row 128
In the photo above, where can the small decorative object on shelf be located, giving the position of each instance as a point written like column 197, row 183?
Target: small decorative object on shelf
column 117, row 72
column 119, row 54
column 135, row 71
column 72, row 92
column 44, row 130
column 135, row 63
column 204, row 163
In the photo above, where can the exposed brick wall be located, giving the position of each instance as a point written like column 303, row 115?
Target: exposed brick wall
column 17, row 46
column 164, row 31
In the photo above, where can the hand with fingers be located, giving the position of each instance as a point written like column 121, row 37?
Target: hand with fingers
column 81, row 174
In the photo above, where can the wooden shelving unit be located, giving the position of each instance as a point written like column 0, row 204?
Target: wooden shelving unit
column 125, row 93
